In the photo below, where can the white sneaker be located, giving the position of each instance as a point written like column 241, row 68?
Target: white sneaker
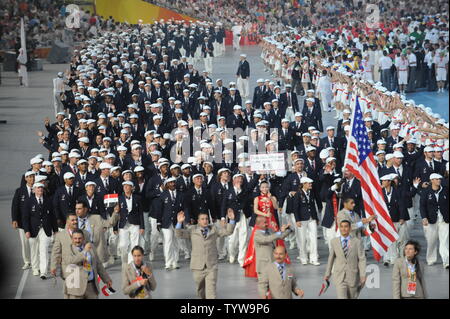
column 315, row 263
column 232, row 260
column 304, row 262
column 151, row 256
column 445, row 266
column 430, row 264
column 26, row 266
column 222, row 257
column 36, row 272
column 187, row 257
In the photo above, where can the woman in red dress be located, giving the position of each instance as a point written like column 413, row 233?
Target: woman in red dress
column 263, row 205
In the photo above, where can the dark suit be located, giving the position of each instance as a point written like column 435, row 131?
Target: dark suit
column 36, row 216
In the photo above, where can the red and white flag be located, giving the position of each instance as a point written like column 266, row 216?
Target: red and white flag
column 359, row 160
column 111, row 200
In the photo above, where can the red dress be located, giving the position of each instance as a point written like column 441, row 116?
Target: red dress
column 264, row 205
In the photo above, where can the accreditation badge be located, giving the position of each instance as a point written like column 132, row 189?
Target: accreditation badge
column 412, row 287
column 86, row 265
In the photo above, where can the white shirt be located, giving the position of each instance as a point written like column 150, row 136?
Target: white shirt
column 385, row 62
column 412, row 59
column 129, row 202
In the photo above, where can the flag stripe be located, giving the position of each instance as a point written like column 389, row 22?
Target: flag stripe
column 360, row 161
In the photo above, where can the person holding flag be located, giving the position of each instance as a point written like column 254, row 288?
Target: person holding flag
column 22, row 59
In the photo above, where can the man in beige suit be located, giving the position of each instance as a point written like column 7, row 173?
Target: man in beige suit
column 407, row 276
column 97, row 228
column 204, row 255
column 63, row 243
column 348, row 263
column 84, row 266
column 265, row 242
column 277, row 279
column 357, row 224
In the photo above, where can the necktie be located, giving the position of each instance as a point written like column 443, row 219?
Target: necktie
column 431, row 165
column 82, row 223
column 173, row 196
column 199, row 192
column 345, row 247
column 281, row 270
column 70, row 191
column 289, row 100
column 40, row 201
column 313, row 165
column 83, row 178
column 204, row 232
column 106, row 184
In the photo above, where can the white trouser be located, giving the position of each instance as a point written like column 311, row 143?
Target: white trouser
column 183, row 245
column 239, row 239
column 25, row 244
column 155, row 235
column 171, row 247
column 183, row 51
column 243, row 87
column 308, row 241
column 144, row 241
column 410, row 222
column 236, row 40
column 296, row 232
column 128, row 238
column 325, row 101
column 221, row 245
column 113, row 240
column 216, row 48
column 39, row 246
column 395, row 250
column 433, row 233
column 290, row 114
column 208, row 64
column 286, row 219
column 198, row 55
column 57, row 102
column 330, row 233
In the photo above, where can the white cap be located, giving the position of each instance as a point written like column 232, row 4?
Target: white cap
column 435, row 176
column 330, row 128
column 428, row 149
column 198, row 175
column 35, row 160
column 347, row 128
column 105, row 166
column 128, row 183
column 29, row 173
column 389, row 156
column 170, row 179
column 36, row 185
column 69, row 175
column 324, row 154
column 381, row 142
column 138, row 169
column 306, row 180
column 185, row 166
column 398, row 154
column 84, row 140
column 387, row 177
column 330, row 159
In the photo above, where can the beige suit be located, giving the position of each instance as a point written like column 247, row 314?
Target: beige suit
column 344, row 214
column 62, row 244
column 204, row 256
column 346, row 272
column 129, row 286
column 99, row 227
column 270, row 279
column 400, row 282
column 77, row 285
column 264, row 245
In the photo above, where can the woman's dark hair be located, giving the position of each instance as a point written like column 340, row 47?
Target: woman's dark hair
column 137, row 248
column 415, row 259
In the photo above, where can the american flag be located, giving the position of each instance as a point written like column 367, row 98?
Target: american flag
column 360, row 161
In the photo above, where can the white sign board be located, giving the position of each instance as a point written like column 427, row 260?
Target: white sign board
column 267, row 162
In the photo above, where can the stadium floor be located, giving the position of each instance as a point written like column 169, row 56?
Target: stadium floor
column 25, row 110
